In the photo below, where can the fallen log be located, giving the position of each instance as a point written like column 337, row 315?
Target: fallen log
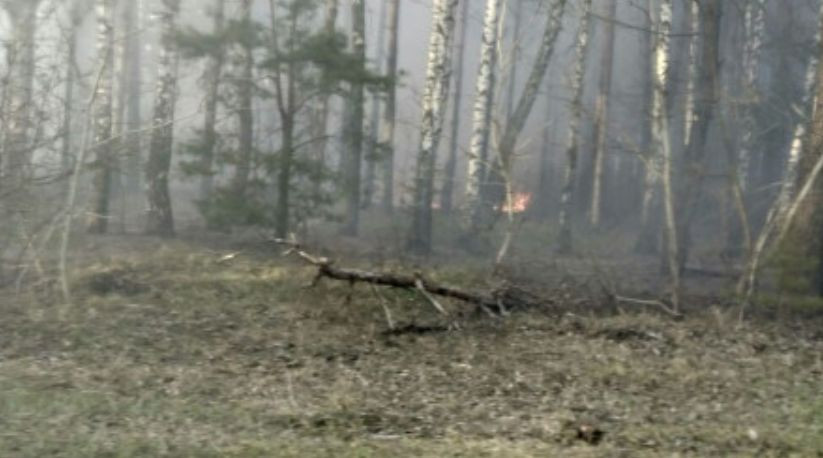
column 498, row 302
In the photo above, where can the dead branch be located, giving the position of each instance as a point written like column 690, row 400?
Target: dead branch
column 497, row 301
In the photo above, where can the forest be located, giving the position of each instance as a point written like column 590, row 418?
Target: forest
column 428, row 228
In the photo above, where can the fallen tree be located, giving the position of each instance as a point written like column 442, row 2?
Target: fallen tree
column 497, row 302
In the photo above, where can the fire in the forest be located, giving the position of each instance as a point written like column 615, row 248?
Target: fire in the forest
column 519, row 203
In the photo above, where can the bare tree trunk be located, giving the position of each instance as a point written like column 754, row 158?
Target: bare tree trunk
column 214, row 73
column 514, row 61
column 372, row 152
column 601, row 114
column 245, row 115
column 447, row 192
column 389, row 111
column 662, row 142
column 564, row 243
column 435, row 99
column 354, row 127
column 784, row 208
column 134, row 115
column 648, row 239
column 75, row 18
column 482, row 114
column 495, row 194
column 103, row 123
column 160, row 219
column 321, row 129
column 708, row 93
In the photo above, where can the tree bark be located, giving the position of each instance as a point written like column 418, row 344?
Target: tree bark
column 389, row 111
column 213, row 76
column 103, row 123
column 564, row 242
column 160, row 219
column 354, row 127
column 705, row 101
column 601, row 114
column 245, row 113
column 447, row 192
column 435, row 99
column 372, row 151
column 482, row 115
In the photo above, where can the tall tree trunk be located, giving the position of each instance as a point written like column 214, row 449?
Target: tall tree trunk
column 515, row 58
column 213, row 76
column 160, row 219
column 648, row 239
column 245, row 115
column 601, row 114
column 447, row 192
column 482, row 115
column 495, row 191
column 20, row 64
column 435, row 99
column 389, row 111
column 103, row 123
column 354, row 124
column 784, row 208
column 564, row 243
column 705, row 102
column 75, row 19
column 134, row 111
column 321, row 129
column 372, row 152
column 662, row 141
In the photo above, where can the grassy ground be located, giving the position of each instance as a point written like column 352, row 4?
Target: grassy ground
column 175, row 349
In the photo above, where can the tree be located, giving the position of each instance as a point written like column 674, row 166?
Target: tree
column 354, row 123
column 213, row 77
column 103, row 122
column 601, row 113
column 389, row 111
column 372, row 151
column 159, row 219
column 434, row 105
column 707, row 94
column 482, row 115
column 447, row 192
column 245, row 91
column 564, row 243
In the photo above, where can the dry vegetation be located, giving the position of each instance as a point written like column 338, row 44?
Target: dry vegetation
column 175, row 349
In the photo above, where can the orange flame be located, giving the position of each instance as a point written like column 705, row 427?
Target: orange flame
column 519, row 203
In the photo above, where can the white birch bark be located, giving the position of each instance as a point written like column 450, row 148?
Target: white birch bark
column 662, row 142
column 482, row 112
column 691, row 78
column 785, row 206
column 435, row 99
column 573, row 136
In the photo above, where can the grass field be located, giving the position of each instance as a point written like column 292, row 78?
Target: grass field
column 175, row 349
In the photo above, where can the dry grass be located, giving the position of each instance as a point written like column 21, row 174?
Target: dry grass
column 176, row 350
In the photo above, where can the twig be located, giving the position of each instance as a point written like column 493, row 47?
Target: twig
column 649, row 302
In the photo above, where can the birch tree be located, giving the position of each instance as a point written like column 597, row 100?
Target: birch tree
column 496, row 183
column 564, row 243
column 389, row 111
column 482, row 114
column 159, row 219
column 435, row 96
column 447, row 192
column 103, row 123
column 662, row 150
column 791, row 194
column 601, row 113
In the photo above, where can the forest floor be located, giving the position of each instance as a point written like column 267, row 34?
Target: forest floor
column 190, row 349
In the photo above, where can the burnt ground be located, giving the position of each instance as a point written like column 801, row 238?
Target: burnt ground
column 187, row 348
